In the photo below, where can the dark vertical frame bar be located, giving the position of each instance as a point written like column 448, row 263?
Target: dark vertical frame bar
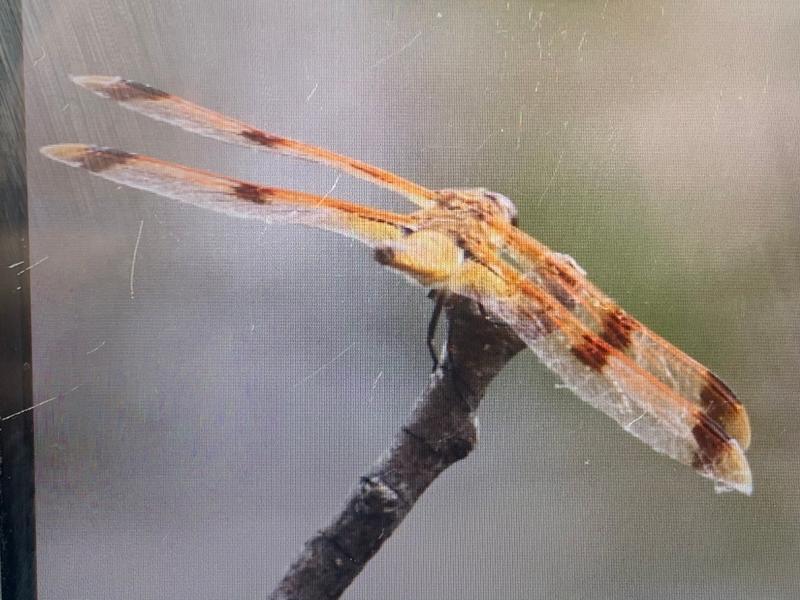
column 17, row 533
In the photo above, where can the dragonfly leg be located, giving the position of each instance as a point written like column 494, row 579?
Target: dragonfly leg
column 438, row 296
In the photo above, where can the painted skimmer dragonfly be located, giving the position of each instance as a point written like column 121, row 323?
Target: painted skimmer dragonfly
column 464, row 242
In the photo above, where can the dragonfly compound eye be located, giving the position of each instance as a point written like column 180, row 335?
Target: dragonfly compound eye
column 505, row 204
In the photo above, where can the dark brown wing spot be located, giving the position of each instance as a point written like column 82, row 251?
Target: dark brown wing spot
column 592, row 352
column 712, row 442
column 617, row 329
column 721, row 405
column 132, row 90
column 100, row 159
column 715, row 395
column 718, row 400
column 249, row 192
column 262, row 138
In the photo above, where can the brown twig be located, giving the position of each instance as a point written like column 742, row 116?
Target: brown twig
column 440, row 431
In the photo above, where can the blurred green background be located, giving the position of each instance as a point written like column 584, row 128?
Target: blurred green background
column 211, row 421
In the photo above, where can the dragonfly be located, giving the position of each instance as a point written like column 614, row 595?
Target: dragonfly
column 462, row 242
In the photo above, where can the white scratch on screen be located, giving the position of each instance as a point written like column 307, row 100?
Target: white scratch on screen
column 135, row 252
column 96, row 348
column 632, row 423
column 377, row 379
column 37, row 263
column 552, row 177
column 402, row 48
column 38, row 404
column 37, row 60
column 312, row 92
column 326, row 365
column 333, row 187
column 374, row 385
column 486, row 139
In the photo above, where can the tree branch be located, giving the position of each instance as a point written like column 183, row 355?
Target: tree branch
column 440, row 431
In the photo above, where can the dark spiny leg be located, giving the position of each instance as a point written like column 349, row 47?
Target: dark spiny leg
column 437, row 312
column 482, row 310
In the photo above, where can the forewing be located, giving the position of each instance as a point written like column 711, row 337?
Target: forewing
column 166, row 107
column 232, row 196
column 604, row 376
column 603, row 317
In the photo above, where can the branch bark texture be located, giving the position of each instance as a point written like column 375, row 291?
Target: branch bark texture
column 441, row 430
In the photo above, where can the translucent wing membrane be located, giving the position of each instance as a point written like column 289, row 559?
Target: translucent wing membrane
column 604, row 377
column 232, row 196
column 207, row 123
column 609, row 359
column 645, row 348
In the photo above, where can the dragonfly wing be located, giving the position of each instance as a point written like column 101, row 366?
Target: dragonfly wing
column 233, row 196
column 603, row 376
column 171, row 109
column 601, row 315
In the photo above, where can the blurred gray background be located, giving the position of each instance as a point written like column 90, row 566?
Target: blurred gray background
column 204, row 427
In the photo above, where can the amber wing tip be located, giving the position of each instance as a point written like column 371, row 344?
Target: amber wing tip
column 95, row 83
column 744, row 487
column 735, row 422
column 741, row 430
column 69, row 154
column 91, row 158
column 732, row 472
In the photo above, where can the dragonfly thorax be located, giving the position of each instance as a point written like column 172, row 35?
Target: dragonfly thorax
column 481, row 201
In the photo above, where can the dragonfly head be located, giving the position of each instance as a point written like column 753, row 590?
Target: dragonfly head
column 504, row 204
